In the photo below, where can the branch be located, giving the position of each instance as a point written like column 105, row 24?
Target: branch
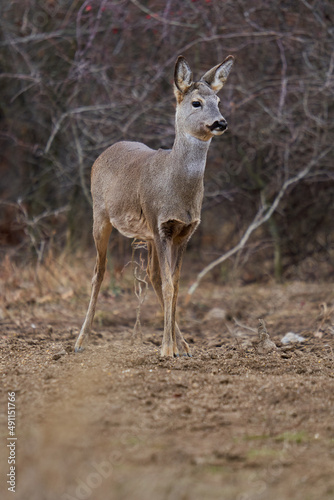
column 262, row 216
column 38, row 37
column 159, row 18
column 284, row 78
column 81, row 165
column 82, row 109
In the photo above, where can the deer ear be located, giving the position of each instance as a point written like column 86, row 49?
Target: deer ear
column 183, row 76
column 217, row 76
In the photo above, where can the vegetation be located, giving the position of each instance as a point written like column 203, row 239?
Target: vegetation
column 77, row 76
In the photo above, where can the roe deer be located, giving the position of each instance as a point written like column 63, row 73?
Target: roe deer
column 157, row 195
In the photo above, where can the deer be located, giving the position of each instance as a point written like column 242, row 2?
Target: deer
column 156, row 195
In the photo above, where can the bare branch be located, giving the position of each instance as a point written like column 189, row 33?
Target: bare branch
column 38, row 37
column 159, row 18
column 284, row 78
column 82, row 109
column 81, row 165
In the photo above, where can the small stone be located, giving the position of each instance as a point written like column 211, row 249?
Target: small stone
column 186, row 410
column 292, row 337
column 224, row 380
column 215, row 314
column 59, row 354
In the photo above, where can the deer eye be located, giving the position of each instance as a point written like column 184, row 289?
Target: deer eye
column 196, row 104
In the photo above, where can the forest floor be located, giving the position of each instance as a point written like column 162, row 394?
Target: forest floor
column 119, row 422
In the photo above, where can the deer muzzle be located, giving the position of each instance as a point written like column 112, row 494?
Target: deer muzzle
column 218, row 126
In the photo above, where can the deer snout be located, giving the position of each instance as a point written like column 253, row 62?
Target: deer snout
column 218, row 126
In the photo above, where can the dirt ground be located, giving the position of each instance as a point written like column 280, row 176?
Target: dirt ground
column 119, row 422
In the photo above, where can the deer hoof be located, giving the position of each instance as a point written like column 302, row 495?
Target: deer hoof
column 168, row 351
column 78, row 349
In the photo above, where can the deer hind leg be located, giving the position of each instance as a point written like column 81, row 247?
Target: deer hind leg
column 153, row 271
column 101, row 233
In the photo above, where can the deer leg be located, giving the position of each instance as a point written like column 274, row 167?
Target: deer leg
column 163, row 248
column 176, row 265
column 101, row 233
column 153, row 271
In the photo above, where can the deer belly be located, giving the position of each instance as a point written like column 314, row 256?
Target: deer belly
column 132, row 226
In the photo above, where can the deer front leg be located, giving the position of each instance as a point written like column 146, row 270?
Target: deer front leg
column 169, row 347
column 153, row 271
column 176, row 265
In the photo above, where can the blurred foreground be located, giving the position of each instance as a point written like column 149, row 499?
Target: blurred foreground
column 119, row 422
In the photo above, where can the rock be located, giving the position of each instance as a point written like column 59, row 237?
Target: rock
column 215, row 314
column 59, row 354
column 224, row 380
column 292, row 337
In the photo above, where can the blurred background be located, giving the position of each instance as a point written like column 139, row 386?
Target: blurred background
column 77, row 76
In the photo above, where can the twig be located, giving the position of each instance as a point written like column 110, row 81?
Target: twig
column 81, row 165
column 39, row 37
column 244, row 326
column 140, row 289
column 82, row 109
column 231, row 332
column 284, row 78
column 159, row 18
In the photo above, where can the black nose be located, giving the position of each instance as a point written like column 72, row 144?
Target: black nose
column 219, row 125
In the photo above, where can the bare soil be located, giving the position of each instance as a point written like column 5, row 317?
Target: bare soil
column 119, row 422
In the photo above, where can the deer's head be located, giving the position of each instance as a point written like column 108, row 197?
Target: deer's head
column 197, row 112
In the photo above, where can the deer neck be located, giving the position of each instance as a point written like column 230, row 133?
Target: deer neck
column 189, row 155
